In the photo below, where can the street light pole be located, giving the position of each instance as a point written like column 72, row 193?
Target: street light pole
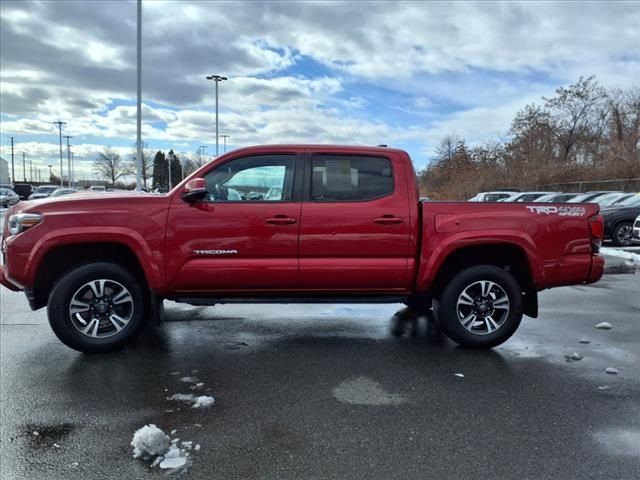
column 139, row 101
column 24, row 170
column 217, row 79
column 224, row 138
column 68, row 161
column 50, row 172
column 202, row 154
column 73, row 169
column 13, row 172
column 59, row 123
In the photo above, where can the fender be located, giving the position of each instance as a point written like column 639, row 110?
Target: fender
column 151, row 266
column 437, row 248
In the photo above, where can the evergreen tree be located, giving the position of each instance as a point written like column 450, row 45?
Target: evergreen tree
column 176, row 169
column 160, row 173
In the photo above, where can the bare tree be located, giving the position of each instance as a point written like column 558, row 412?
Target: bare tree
column 109, row 165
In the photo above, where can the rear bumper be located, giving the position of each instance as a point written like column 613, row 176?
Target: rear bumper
column 597, row 269
column 4, row 280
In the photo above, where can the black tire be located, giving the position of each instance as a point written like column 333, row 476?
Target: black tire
column 621, row 235
column 450, row 310
column 72, row 282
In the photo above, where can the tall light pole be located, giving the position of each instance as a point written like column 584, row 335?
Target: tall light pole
column 73, row 169
column 139, row 116
column 59, row 123
column 68, row 161
column 202, row 154
column 13, row 172
column 224, row 138
column 217, row 79
column 50, row 172
column 24, row 169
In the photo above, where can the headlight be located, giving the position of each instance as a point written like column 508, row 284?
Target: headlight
column 21, row 221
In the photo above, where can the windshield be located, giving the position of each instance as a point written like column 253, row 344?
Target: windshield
column 633, row 201
column 5, row 191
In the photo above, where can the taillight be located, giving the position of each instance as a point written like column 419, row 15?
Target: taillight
column 596, row 227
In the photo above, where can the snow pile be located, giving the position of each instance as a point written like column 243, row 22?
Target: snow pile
column 604, row 326
column 149, row 441
column 190, row 379
column 196, row 401
column 613, row 252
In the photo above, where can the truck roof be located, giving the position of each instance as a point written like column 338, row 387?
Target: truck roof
column 319, row 146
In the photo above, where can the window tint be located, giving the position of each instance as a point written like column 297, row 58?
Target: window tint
column 264, row 178
column 339, row 178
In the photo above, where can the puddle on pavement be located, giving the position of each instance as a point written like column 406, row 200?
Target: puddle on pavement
column 364, row 391
column 45, row 435
column 620, row 442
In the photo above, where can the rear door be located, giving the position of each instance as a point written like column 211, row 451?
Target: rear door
column 355, row 225
column 237, row 239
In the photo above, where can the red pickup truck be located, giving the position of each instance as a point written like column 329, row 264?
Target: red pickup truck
column 294, row 223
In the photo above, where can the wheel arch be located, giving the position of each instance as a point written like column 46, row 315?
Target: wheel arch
column 508, row 256
column 60, row 259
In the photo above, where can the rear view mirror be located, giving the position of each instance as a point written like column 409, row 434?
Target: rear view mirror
column 194, row 190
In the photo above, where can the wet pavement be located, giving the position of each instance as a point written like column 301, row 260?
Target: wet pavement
column 323, row 391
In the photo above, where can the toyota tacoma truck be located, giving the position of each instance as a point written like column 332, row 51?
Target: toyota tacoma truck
column 330, row 224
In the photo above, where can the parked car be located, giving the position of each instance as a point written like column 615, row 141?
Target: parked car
column 97, row 188
column 8, row 197
column 635, row 233
column 618, row 221
column 23, row 190
column 590, row 197
column 525, row 196
column 611, row 198
column 43, row 191
column 491, row 196
column 63, row 191
column 356, row 233
column 556, row 198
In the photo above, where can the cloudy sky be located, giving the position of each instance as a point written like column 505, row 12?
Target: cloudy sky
column 403, row 74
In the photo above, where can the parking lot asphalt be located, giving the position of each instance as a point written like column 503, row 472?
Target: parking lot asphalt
column 323, row 392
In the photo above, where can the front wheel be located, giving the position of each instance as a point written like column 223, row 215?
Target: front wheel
column 98, row 307
column 481, row 307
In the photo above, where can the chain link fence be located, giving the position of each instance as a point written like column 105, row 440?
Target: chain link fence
column 625, row 185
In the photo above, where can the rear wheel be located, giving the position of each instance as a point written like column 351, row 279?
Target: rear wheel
column 621, row 235
column 98, row 307
column 481, row 307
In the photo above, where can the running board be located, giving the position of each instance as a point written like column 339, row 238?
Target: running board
column 301, row 299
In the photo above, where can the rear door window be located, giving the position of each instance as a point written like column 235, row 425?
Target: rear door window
column 347, row 178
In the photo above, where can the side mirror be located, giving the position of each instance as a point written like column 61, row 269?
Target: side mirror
column 195, row 190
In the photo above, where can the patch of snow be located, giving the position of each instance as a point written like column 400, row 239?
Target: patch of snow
column 613, row 252
column 604, row 326
column 36, row 434
column 173, row 432
column 197, row 402
column 149, row 441
column 604, row 387
column 461, row 375
column 74, row 465
column 174, row 458
column 203, row 401
column 190, row 379
column 573, row 357
column 611, row 370
column 197, row 447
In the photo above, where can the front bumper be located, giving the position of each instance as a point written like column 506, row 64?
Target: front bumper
column 4, row 280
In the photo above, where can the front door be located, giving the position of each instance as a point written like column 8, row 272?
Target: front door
column 244, row 235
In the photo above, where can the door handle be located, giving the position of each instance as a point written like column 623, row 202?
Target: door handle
column 280, row 220
column 387, row 220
